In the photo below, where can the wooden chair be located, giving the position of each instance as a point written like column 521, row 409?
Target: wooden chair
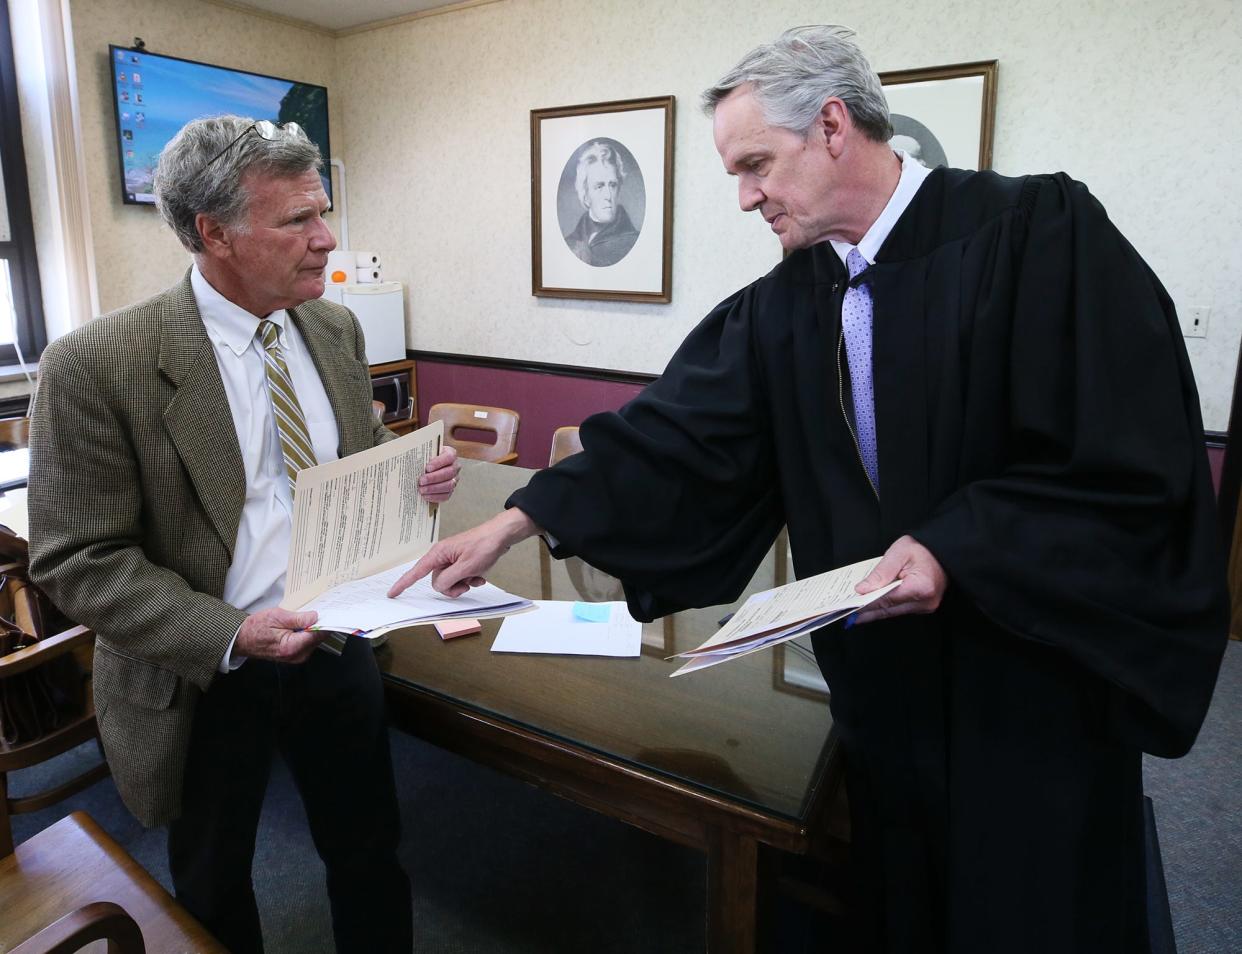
column 586, row 581
column 476, row 417
column 14, row 433
column 565, row 441
column 72, row 883
column 72, row 733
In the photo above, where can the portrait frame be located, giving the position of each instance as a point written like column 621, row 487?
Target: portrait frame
column 943, row 101
column 641, row 131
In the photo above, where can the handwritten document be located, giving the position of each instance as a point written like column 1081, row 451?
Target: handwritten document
column 360, row 515
column 785, row 612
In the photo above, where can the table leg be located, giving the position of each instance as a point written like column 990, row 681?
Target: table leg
column 733, row 893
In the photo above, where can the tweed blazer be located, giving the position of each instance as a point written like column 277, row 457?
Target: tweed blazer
column 136, row 494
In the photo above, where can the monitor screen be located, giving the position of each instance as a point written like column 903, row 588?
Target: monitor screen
column 156, row 95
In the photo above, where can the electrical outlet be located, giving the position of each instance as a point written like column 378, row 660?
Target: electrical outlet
column 1194, row 320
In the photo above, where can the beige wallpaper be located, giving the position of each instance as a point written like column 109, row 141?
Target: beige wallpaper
column 135, row 254
column 1135, row 99
column 432, row 118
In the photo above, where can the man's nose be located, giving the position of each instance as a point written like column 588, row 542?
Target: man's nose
column 323, row 240
column 749, row 197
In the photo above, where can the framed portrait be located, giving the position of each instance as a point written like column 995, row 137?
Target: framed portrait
column 602, row 200
column 944, row 115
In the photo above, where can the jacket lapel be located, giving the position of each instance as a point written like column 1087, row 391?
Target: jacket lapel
column 198, row 419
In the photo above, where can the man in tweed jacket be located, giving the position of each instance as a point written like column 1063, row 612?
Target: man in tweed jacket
column 160, row 513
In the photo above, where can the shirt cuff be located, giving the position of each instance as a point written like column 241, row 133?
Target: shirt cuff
column 228, row 663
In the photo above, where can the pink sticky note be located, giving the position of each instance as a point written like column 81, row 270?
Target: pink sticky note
column 452, row 628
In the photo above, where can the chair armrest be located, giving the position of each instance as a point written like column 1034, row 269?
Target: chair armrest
column 91, row 922
column 13, row 547
column 45, row 649
column 509, row 458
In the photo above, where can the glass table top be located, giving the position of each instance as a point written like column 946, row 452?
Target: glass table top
column 754, row 730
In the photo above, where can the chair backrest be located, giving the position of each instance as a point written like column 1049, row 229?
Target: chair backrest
column 565, row 441
column 501, row 421
column 45, row 700
column 14, row 433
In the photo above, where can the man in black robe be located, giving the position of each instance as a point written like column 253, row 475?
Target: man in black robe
column 1039, row 485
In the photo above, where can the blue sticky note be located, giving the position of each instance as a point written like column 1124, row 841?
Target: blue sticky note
column 593, row 612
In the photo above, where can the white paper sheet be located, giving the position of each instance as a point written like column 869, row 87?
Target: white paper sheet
column 553, row 628
column 13, row 512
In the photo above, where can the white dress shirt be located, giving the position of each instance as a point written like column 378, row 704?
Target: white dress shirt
column 913, row 173
column 256, row 578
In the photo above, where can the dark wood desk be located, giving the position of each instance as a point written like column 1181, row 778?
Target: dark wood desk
column 732, row 761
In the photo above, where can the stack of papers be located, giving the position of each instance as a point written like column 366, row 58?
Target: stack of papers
column 785, row 612
column 362, row 607
column 358, row 524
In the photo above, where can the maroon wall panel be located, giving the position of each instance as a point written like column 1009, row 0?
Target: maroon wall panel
column 545, row 401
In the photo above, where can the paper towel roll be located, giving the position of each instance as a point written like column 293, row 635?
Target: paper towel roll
column 341, row 269
column 370, row 276
column 366, row 260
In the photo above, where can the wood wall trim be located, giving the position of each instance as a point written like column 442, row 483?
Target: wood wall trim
column 639, row 378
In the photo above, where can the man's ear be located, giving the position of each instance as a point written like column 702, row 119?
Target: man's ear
column 834, row 121
column 217, row 242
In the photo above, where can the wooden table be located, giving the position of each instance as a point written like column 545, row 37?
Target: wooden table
column 735, row 761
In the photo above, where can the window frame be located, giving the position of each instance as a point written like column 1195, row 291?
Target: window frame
column 20, row 251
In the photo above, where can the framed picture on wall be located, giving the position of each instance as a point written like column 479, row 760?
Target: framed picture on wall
column 944, row 115
column 602, row 200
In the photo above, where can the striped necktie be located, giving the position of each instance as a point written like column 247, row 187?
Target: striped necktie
column 295, row 442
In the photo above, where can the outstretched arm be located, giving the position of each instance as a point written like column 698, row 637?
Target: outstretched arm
column 459, row 562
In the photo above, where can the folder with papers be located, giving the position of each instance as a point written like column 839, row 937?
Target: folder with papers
column 785, row 612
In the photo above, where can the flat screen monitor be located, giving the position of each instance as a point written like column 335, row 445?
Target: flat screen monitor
column 156, row 95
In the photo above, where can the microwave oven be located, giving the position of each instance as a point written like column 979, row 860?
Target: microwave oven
column 393, row 390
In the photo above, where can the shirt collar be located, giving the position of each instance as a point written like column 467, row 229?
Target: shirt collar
column 228, row 324
column 913, row 173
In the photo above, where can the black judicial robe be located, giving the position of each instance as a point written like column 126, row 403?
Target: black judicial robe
column 1039, row 431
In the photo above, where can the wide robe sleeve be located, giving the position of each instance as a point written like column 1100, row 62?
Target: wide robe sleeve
column 1099, row 536
column 675, row 494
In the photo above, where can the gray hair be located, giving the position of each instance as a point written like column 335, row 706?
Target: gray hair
column 806, row 65
column 605, row 155
column 188, row 182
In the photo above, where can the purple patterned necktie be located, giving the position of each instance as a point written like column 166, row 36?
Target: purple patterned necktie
column 856, row 323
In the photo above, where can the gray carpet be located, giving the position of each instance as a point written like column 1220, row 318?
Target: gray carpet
column 1198, row 802
column 498, row 866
